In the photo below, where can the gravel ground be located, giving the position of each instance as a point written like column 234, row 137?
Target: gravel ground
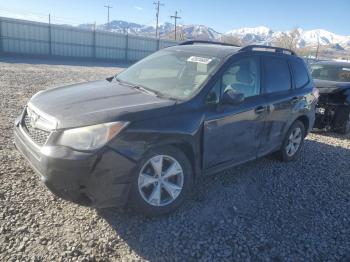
column 261, row 211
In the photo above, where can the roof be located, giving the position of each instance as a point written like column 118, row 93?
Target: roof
column 222, row 50
column 219, row 51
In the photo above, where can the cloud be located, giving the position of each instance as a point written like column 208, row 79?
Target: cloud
column 138, row 8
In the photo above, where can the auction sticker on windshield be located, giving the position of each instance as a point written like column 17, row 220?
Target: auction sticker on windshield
column 198, row 59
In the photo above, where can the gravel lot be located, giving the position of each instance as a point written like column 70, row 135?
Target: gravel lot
column 264, row 210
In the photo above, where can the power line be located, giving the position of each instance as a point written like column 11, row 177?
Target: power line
column 175, row 17
column 108, row 7
column 157, row 4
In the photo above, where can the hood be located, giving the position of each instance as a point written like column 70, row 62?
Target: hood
column 328, row 87
column 97, row 102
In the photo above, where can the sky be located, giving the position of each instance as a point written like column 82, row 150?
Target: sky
column 221, row 15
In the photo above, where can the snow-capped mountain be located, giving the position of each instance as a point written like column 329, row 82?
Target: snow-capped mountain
column 260, row 34
column 248, row 35
column 312, row 37
column 165, row 29
column 120, row 26
column 200, row 32
column 264, row 35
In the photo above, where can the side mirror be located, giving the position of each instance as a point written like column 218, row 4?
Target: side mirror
column 231, row 97
column 110, row 79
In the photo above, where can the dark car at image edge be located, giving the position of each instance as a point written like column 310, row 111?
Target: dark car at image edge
column 332, row 78
column 144, row 136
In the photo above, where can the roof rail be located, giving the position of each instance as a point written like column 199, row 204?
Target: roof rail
column 268, row 48
column 192, row 42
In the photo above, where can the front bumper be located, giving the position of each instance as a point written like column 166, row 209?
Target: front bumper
column 99, row 179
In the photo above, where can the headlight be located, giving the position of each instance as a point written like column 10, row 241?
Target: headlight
column 91, row 137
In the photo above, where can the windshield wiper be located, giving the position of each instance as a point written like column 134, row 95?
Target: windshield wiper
column 145, row 90
column 138, row 87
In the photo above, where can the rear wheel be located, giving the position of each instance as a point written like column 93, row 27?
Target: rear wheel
column 293, row 142
column 163, row 180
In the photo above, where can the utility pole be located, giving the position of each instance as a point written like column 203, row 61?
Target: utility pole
column 108, row 7
column 318, row 46
column 175, row 17
column 50, row 37
column 94, row 41
column 157, row 4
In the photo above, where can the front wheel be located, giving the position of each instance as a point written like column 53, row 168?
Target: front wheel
column 162, row 181
column 293, row 142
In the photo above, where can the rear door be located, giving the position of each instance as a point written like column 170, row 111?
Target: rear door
column 277, row 88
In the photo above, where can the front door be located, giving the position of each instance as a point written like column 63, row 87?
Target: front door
column 232, row 133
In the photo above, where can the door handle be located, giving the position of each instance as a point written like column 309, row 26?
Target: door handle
column 260, row 109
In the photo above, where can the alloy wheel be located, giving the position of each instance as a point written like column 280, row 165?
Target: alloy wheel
column 294, row 141
column 160, row 180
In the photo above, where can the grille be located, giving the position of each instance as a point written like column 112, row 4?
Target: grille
column 37, row 135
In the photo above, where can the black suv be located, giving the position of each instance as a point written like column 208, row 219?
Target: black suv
column 186, row 111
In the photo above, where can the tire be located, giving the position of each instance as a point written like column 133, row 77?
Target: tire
column 344, row 119
column 285, row 153
column 144, row 195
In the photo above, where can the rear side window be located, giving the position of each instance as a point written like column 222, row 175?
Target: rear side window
column 277, row 75
column 301, row 76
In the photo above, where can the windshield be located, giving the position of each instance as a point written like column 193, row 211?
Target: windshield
column 173, row 74
column 331, row 73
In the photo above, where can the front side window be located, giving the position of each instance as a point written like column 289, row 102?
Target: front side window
column 276, row 74
column 331, row 72
column 175, row 74
column 242, row 76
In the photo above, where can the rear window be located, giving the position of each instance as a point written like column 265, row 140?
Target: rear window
column 277, row 75
column 301, row 76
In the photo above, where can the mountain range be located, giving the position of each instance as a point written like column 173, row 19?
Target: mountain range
column 254, row 35
column 264, row 35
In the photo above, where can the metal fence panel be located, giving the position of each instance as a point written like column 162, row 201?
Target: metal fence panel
column 110, row 53
column 27, row 37
column 24, row 37
column 61, row 49
column 142, row 43
column 140, row 47
column 71, row 35
column 107, row 39
column 25, row 47
column 69, row 41
column 166, row 43
column 21, row 30
column 110, row 45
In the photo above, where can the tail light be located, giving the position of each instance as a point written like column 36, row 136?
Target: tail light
column 315, row 92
